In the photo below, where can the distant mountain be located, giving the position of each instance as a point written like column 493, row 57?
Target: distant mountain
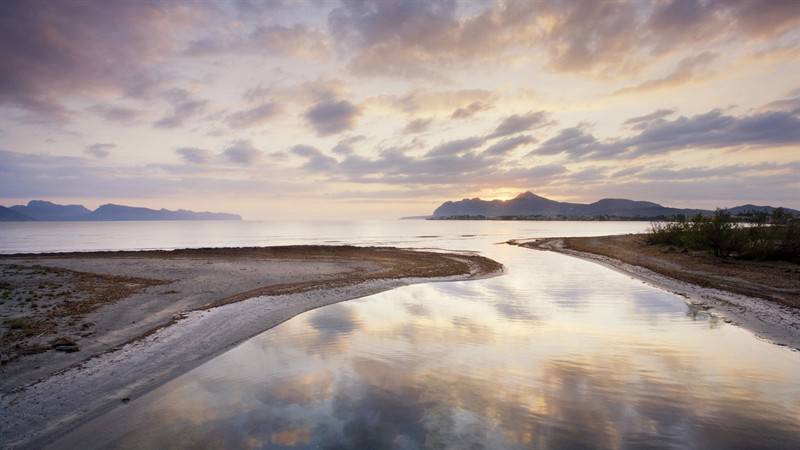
column 120, row 212
column 755, row 209
column 9, row 215
column 40, row 210
column 529, row 205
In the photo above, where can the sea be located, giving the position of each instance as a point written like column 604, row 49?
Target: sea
column 557, row 353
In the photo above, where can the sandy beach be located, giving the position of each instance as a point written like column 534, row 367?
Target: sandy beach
column 763, row 297
column 85, row 331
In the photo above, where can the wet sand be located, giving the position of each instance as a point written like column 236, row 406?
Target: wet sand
column 763, row 297
column 133, row 320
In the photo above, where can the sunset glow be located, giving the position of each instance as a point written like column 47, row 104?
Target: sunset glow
column 382, row 109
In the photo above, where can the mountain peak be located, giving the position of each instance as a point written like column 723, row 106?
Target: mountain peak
column 528, row 204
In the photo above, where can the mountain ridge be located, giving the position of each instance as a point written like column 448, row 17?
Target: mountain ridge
column 528, row 204
column 45, row 211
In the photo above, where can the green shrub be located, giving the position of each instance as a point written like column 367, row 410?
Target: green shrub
column 761, row 237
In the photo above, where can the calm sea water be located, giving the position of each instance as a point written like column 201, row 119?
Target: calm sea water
column 557, row 353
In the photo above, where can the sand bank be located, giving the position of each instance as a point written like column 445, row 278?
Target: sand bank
column 176, row 310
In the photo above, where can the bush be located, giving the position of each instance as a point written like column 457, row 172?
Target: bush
column 665, row 233
column 776, row 237
column 721, row 234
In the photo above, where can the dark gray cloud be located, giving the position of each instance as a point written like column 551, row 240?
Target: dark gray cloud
column 194, row 155
column 346, row 146
column 456, row 147
column 254, row 116
column 315, row 159
column 470, row 110
column 518, row 123
column 119, row 114
column 50, row 50
column 713, row 129
column 790, row 104
column 99, row 150
column 452, row 163
column 417, row 126
column 575, row 141
column 625, row 172
column 645, row 120
column 184, row 107
column 242, row 152
column 331, row 116
column 505, row 146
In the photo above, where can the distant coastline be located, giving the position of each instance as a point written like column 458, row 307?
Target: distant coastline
column 44, row 211
column 529, row 206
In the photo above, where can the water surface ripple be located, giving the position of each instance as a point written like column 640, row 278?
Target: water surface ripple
column 559, row 353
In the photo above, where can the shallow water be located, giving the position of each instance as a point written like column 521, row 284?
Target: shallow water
column 556, row 353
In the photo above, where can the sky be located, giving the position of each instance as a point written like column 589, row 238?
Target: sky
column 380, row 109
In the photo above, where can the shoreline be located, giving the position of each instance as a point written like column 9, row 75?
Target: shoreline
column 40, row 411
column 769, row 320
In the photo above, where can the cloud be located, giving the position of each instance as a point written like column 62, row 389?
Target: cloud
column 457, row 146
column 345, row 146
column 415, row 38
column 51, row 176
column 257, row 115
column 711, row 130
column 518, row 123
column 331, row 116
column 319, row 90
column 580, row 37
column 790, row 104
column 574, row 141
column 194, row 155
column 99, row 150
column 470, row 110
column 118, row 114
column 677, row 22
column 297, row 41
column 52, row 50
column 425, row 39
column 640, row 122
column 452, row 163
column 184, row 107
column 505, row 146
column 688, row 70
column 242, row 152
column 417, row 126
column 315, row 159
